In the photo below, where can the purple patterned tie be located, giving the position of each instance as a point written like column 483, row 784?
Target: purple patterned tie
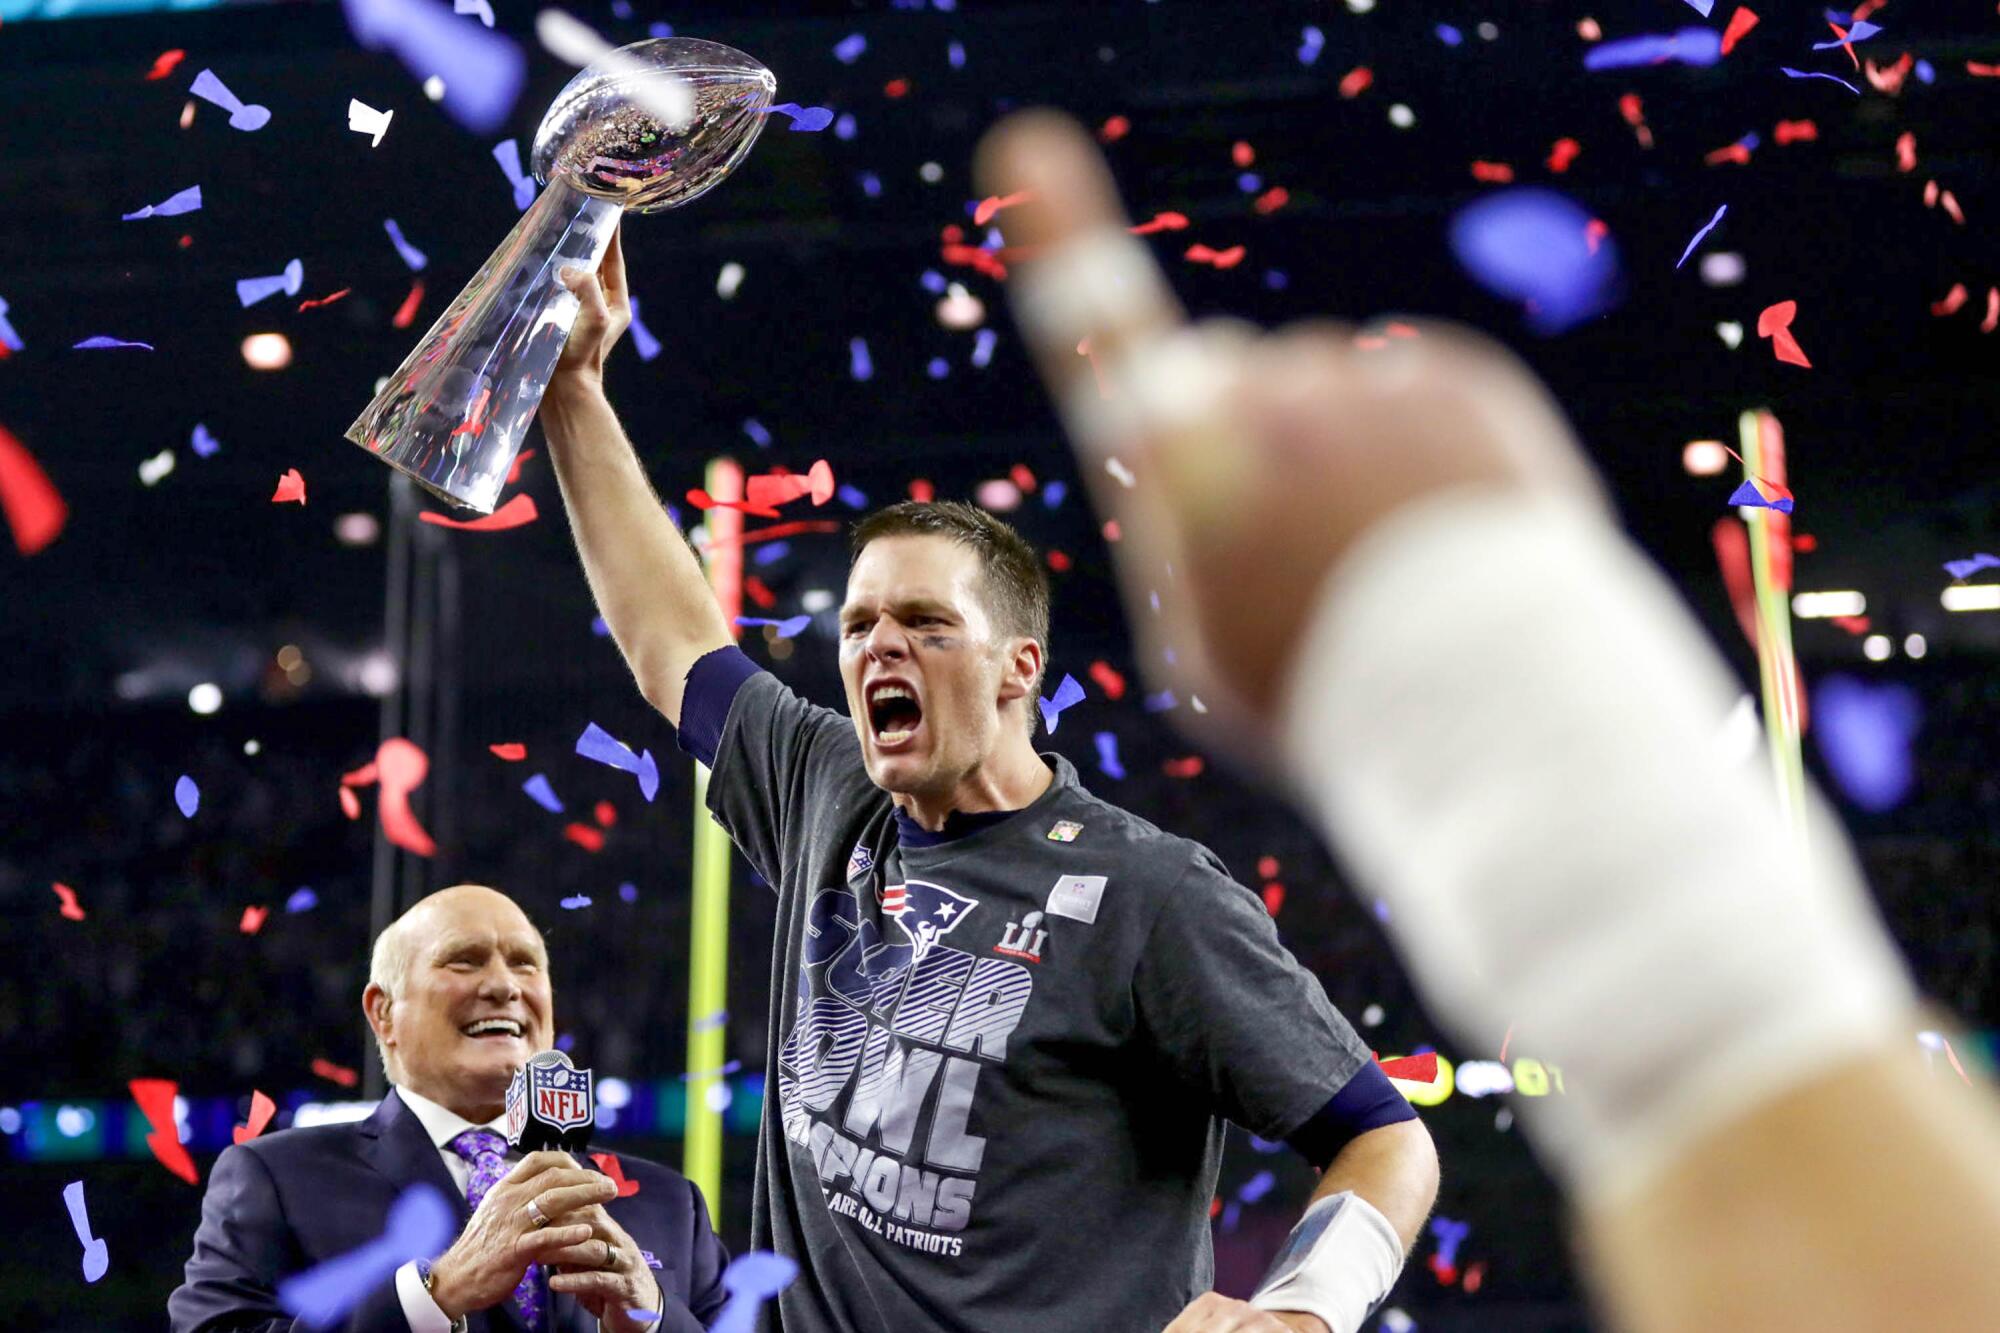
column 487, row 1152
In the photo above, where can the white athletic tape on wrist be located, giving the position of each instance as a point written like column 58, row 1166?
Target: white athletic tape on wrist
column 1503, row 716
column 1339, row 1263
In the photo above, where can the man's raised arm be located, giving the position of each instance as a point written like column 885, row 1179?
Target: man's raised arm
column 649, row 586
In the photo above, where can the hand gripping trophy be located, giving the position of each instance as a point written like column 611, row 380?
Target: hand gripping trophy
column 647, row 127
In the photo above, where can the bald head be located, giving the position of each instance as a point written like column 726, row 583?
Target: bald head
column 459, row 997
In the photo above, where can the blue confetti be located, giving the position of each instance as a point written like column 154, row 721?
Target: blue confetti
column 1311, row 42
column 932, row 280
column 482, row 71
column 860, row 366
column 1925, row 72
column 508, row 154
column 7, row 334
column 1067, row 695
column 600, row 627
column 751, row 1279
column 1689, row 46
column 955, row 55
column 1703, row 7
column 1249, row 182
column 1107, row 755
column 1814, row 74
column 1860, row 32
column 871, row 184
column 1965, row 569
column 420, row 1226
column 252, row 290
column 542, row 793
column 415, row 258
column 1053, row 493
column 938, row 368
column 789, row 628
column 850, row 48
column 186, row 201
column 983, row 344
column 187, row 796
column 1864, row 734
column 302, row 900
column 1161, row 702
column 804, row 118
column 1450, row 1235
column 1449, row 35
column 845, row 126
column 204, row 444
column 1265, row 1146
column 1256, row 1187
column 101, row 341
column 601, row 746
column 1747, row 495
column 643, row 341
column 572, row 904
column 1276, row 280
column 1532, row 245
column 1701, row 234
column 660, row 30
column 852, row 496
column 755, row 430
column 770, row 553
column 628, row 892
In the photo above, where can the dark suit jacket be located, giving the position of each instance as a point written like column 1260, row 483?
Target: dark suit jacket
column 284, row 1202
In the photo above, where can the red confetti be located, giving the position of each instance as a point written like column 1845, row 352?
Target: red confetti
column 334, row 1073
column 70, row 907
column 1804, row 542
column 1979, row 71
column 517, row 512
column 253, row 920
column 163, row 64
column 1740, row 24
column 1112, row 532
column 702, row 500
column 1114, row 129
column 514, row 472
column 1890, row 79
column 1274, row 898
column 1561, row 154
column 408, row 310
column 584, row 836
column 608, row 1163
column 782, row 486
column 1795, row 131
column 156, row 1101
column 35, row 511
column 1189, row 767
column 1160, row 222
column 955, row 251
column 1059, row 562
column 1852, row 624
column 400, row 767
column 922, row 491
column 1594, row 232
column 754, row 589
column 774, row 532
column 993, row 203
column 1906, row 151
column 1272, row 200
column 291, row 486
column 1241, row 153
column 1845, row 45
column 1444, row 1272
column 475, row 416
column 1953, row 300
column 1412, row 1068
column 1230, row 258
column 1022, row 476
column 896, row 88
column 324, row 300
column 1109, row 680
column 262, row 1108
column 1992, row 319
column 1356, row 81
column 1475, row 1276
column 1634, row 112
column 1950, row 202
column 512, row 751
column 607, row 813
column 1775, row 323
column 1214, row 1207
column 1267, row 867
column 1739, row 153
column 1493, row 173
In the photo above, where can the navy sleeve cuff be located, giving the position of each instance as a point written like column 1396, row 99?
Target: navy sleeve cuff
column 712, row 683
column 1368, row 1101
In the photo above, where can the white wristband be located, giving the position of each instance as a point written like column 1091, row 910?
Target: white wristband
column 1338, row 1264
column 1504, row 718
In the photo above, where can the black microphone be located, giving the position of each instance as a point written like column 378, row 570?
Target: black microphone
column 551, row 1104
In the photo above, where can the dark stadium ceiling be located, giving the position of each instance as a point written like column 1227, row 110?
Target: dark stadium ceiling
column 1889, row 431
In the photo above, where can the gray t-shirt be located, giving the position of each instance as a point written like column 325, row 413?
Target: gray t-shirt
column 1000, row 1064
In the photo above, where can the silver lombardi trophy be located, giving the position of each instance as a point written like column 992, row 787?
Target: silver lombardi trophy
column 454, row 413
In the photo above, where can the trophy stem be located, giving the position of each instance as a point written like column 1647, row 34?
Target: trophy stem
column 455, row 412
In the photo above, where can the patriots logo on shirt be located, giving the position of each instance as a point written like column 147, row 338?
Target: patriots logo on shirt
column 926, row 912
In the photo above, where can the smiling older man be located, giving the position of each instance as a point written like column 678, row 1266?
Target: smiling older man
column 459, row 997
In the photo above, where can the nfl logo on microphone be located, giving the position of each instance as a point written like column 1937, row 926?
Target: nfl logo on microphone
column 555, row 1095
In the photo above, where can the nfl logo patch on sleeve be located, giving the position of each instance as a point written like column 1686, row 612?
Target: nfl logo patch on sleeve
column 1076, row 897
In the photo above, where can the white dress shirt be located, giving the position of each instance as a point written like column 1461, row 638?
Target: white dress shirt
column 443, row 1126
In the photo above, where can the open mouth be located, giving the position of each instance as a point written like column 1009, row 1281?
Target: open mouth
column 493, row 1029
column 894, row 715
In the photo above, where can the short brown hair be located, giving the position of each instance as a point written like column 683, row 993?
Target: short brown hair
column 1017, row 588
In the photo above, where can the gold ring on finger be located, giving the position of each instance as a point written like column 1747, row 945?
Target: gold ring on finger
column 536, row 1215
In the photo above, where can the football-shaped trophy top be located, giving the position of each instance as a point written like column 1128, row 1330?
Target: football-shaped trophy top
column 608, row 133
